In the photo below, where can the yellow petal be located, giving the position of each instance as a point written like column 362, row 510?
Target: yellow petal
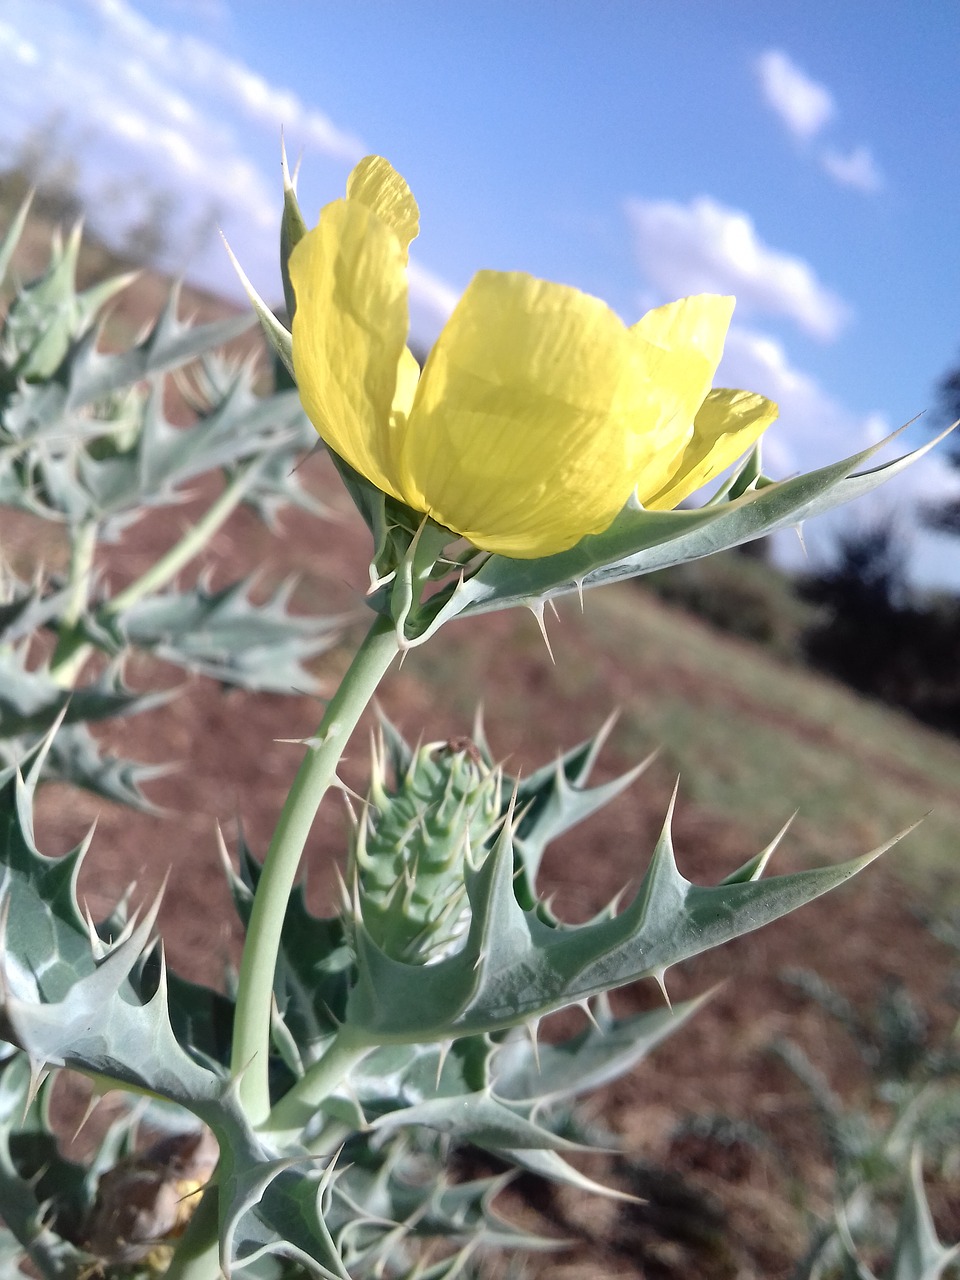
column 349, row 334
column 679, row 346
column 408, row 375
column 375, row 183
column 728, row 423
column 521, row 436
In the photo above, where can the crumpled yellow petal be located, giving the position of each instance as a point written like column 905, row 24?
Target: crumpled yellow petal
column 679, row 346
column 728, row 424
column 375, row 183
column 521, row 436
column 538, row 412
column 350, row 333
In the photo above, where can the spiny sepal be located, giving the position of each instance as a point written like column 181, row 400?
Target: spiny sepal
column 547, row 802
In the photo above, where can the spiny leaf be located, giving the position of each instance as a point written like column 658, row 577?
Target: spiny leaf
column 603, row 1051
column 918, row 1254
column 32, row 1171
column 48, row 314
column 91, row 374
column 641, row 541
column 273, row 1207
column 46, row 935
column 514, row 966
column 25, row 609
column 30, row 701
column 556, row 799
column 224, row 635
column 76, row 757
column 66, row 1002
column 8, row 246
column 152, row 467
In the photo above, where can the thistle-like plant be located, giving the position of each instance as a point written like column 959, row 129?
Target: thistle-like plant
column 913, row 1106
column 86, row 447
column 357, row 1052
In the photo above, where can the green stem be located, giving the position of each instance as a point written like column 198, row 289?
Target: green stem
column 197, row 1255
column 189, row 546
column 71, row 652
column 296, row 1108
column 251, row 1033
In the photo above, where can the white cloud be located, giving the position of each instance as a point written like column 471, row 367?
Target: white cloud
column 814, row 428
column 855, row 168
column 705, row 247
column 12, row 45
column 154, row 119
column 178, row 118
column 804, row 105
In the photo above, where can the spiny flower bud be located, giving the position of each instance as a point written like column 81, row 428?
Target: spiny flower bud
column 415, row 841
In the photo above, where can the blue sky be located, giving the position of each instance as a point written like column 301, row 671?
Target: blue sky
column 802, row 155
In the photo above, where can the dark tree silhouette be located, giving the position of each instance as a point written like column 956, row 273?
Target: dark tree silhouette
column 944, row 516
column 875, row 637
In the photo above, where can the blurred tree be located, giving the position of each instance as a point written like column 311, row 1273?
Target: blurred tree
column 45, row 161
column 875, row 636
column 944, row 515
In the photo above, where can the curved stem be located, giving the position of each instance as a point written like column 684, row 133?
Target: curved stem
column 251, row 1033
column 71, row 652
column 189, row 546
column 295, row 1109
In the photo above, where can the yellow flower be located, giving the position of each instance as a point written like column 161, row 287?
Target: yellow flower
column 538, row 412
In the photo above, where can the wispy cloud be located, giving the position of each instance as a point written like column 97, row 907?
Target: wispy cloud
column 181, row 120
column 855, row 168
column 803, row 104
column 12, row 45
column 814, row 428
column 705, row 247
column 806, row 107
column 193, row 131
